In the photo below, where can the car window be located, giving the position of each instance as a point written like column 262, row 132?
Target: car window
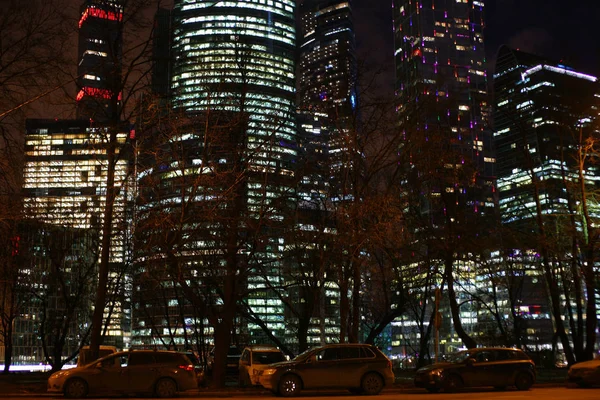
column 329, row 354
column 267, row 357
column 485, row 356
column 170, row 358
column 245, row 356
column 140, row 359
column 502, row 355
column 366, row 352
column 349, row 352
column 111, row 362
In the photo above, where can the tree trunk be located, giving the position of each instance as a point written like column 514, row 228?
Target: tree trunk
column 454, row 307
column 100, row 302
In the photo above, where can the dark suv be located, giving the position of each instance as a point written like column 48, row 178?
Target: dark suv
column 497, row 367
column 162, row 373
column 359, row 368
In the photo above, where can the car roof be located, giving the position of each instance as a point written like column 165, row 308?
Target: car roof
column 495, row 349
column 262, row 347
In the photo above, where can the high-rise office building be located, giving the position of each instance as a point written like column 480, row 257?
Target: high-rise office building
column 544, row 114
column 65, row 178
column 441, row 89
column 441, row 80
column 100, row 56
column 327, row 98
column 539, row 105
column 326, row 101
column 233, row 68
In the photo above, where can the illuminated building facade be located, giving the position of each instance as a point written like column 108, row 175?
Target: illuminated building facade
column 65, row 179
column 442, row 107
column 327, row 95
column 326, row 102
column 540, row 108
column 236, row 59
column 441, row 81
column 544, row 113
column 100, row 60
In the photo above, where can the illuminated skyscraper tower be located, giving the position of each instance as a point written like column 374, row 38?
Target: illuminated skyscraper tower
column 441, row 81
column 326, row 94
column 234, row 61
column 442, row 106
column 100, row 60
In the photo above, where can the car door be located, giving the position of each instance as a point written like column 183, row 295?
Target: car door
column 321, row 370
column 480, row 372
column 505, row 366
column 141, row 372
column 112, row 378
column 352, row 365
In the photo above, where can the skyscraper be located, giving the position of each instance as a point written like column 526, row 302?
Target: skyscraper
column 441, row 87
column 327, row 97
column 100, row 60
column 65, row 184
column 233, row 69
column 546, row 124
column 541, row 107
column 441, row 80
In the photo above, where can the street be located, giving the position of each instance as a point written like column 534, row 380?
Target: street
column 545, row 393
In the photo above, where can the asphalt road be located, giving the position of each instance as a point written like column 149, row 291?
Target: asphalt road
column 545, row 393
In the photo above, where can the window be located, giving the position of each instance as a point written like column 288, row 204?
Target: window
column 350, row 352
column 141, row 359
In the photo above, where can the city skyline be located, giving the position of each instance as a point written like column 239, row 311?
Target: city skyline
column 221, row 250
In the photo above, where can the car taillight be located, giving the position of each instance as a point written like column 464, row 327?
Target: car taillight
column 189, row 367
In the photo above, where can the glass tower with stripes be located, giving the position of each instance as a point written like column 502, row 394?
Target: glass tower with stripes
column 234, row 70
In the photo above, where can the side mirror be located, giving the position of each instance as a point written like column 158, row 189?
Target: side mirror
column 98, row 365
column 312, row 359
column 470, row 362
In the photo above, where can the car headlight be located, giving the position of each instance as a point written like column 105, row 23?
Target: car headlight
column 269, row 371
column 58, row 374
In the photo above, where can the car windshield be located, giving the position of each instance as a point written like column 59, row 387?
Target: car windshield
column 305, row 355
column 458, row 357
column 267, row 357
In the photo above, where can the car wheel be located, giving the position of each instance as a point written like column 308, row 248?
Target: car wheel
column 289, row 385
column 371, row 384
column 165, row 387
column 452, row 383
column 75, row 389
column 523, row 381
column 432, row 389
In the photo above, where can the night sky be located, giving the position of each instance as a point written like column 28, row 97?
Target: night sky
column 556, row 29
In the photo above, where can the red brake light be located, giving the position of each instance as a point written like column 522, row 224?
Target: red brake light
column 189, row 367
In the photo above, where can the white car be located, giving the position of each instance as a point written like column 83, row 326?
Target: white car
column 255, row 359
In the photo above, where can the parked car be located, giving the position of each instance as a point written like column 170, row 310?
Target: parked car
column 162, row 373
column 198, row 367
column 359, row 368
column 497, row 367
column 255, row 359
column 586, row 373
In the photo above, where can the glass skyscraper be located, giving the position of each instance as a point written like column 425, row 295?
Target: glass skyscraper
column 442, row 105
column 234, row 70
